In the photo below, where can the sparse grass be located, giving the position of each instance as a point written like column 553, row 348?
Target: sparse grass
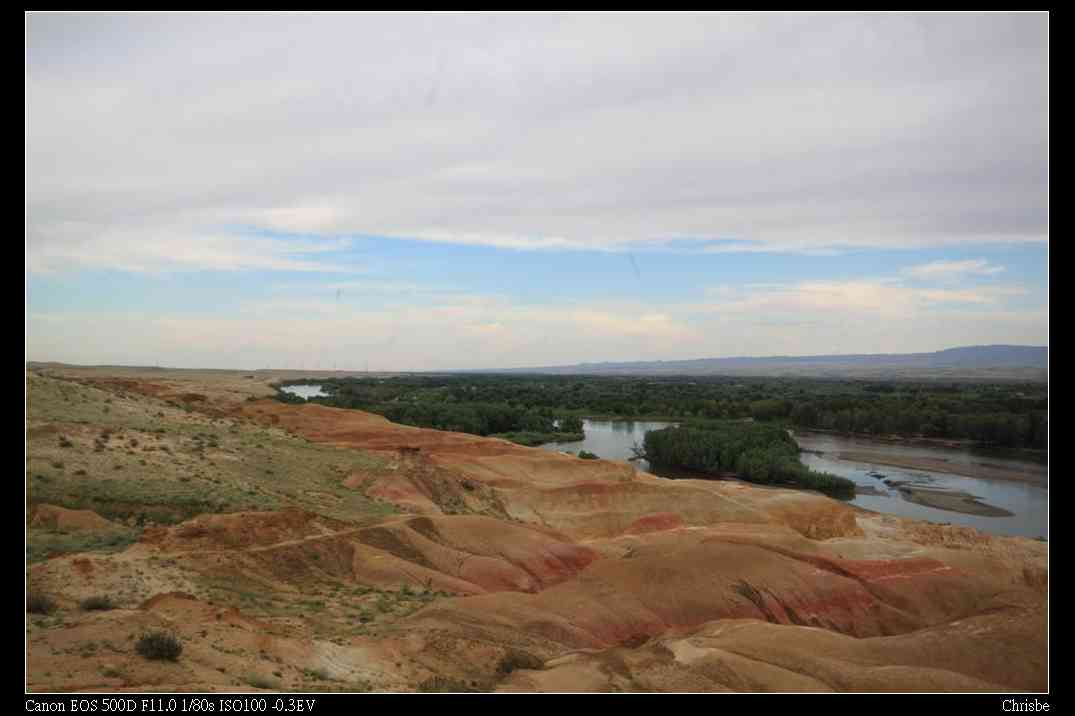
column 158, row 482
column 159, row 645
column 212, row 465
column 262, row 682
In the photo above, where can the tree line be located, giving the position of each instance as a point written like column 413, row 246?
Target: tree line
column 1004, row 414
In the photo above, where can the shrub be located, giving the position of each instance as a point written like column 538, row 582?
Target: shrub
column 262, row 682
column 585, row 455
column 100, row 603
column 40, row 604
column 516, row 659
column 159, row 645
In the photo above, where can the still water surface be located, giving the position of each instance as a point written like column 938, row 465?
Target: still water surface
column 304, row 391
column 612, row 439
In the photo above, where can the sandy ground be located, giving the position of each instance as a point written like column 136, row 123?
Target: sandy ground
column 979, row 469
column 953, row 500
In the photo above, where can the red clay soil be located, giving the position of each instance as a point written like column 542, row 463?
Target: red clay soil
column 611, row 578
column 62, row 519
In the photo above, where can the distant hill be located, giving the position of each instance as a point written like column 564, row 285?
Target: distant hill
column 997, row 362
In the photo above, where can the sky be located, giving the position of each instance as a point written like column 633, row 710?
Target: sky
column 443, row 191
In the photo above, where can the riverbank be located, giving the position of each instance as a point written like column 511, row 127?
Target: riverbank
column 952, row 501
column 981, row 470
column 942, row 443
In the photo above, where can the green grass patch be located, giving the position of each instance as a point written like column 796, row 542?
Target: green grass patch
column 42, row 544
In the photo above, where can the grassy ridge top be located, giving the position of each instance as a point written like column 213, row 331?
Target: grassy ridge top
column 138, row 461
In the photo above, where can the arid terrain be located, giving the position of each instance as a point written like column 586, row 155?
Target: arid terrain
column 300, row 547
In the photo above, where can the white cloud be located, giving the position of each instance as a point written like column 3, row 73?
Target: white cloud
column 162, row 142
column 471, row 331
column 82, row 246
column 782, row 132
column 949, row 270
column 881, row 300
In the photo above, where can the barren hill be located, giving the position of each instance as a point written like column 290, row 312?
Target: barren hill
column 306, row 547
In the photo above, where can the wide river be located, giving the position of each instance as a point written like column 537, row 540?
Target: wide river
column 1027, row 500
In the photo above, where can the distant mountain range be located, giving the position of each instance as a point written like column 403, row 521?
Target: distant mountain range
column 997, row 362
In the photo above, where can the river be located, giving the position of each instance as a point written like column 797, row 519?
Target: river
column 304, row 391
column 1027, row 500
column 612, row 439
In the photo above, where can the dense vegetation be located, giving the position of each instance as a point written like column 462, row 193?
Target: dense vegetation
column 435, row 407
column 1002, row 414
column 756, row 452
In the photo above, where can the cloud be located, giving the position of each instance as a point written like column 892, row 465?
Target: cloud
column 476, row 331
column 455, row 331
column 948, row 270
column 80, row 246
column 883, row 300
column 272, row 143
column 760, row 132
